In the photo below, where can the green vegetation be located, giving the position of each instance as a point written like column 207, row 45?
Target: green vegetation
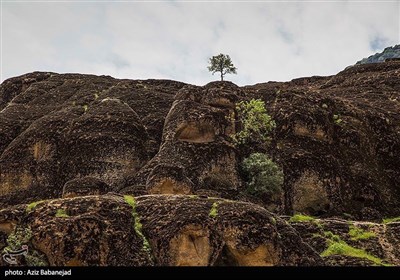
column 61, row 213
column 85, row 107
column 331, row 236
column 360, row 234
column 299, row 218
column 324, row 105
column 193, row 196
column 96, row 96
column 221, row 63
column 137, row 224
column 391, row 220
column 264, row 176
column 336, row 246
column 337, row 120
column 342, row 248
column 31, row 206
column 214, row 210
column 256, row 124
column 20, row 237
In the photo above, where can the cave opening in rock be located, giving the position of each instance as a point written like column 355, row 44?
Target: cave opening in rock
column 196, row 132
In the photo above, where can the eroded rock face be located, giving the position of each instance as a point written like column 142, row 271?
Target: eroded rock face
column 104, row 230
column 71, row 139
column 366, row 243
column 345, row 130
column 55, row 128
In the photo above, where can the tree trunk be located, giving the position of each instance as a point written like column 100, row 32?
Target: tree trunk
column 222, row 76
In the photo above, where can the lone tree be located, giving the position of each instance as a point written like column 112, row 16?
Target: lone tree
column 221, row 63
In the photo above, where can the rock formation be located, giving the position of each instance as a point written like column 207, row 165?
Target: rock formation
column 102, row 171
column 388, row 53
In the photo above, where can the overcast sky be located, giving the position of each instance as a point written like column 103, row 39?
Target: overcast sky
column 267, row 41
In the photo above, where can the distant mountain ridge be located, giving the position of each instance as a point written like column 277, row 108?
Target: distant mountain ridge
column 389, row 52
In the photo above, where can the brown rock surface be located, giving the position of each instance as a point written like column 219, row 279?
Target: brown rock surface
column 111, row 230
column 69, row 139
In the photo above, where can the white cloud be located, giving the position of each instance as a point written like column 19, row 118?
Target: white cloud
column 267, row 41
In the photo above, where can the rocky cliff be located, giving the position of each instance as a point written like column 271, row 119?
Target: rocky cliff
column 102, row 171
column 387, row 53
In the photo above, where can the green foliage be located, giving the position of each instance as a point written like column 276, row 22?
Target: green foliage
column 61, row 213
column 256, row 124
column 21, row 236
column 214, row 210
column 33, row 205
column 336, row 246
column 221, row 63
column 360, row 234
column 337, row 120
column 331, row 236
column 391, row 220
column 264, row 176
column 299, row 218
column 342, row 248
column 138, row 225
column 85, row 107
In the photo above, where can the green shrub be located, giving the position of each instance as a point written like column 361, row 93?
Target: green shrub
column 214, row 210
column 301, row 218
column 263, row 175
column 256, row 124
column 360, row 234
column 21, row 236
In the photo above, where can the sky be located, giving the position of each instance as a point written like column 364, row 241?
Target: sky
column 267, row 40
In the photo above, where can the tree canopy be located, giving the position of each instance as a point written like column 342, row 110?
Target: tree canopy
column 221, row 63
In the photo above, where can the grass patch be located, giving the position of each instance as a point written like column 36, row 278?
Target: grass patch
column 33, row 205
column 138, row 225
column 344, row 249
column 214, row 210
column 391, row 220
column 331, row 236
column 61, row 213
column 299, row 218
column 360, row 234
